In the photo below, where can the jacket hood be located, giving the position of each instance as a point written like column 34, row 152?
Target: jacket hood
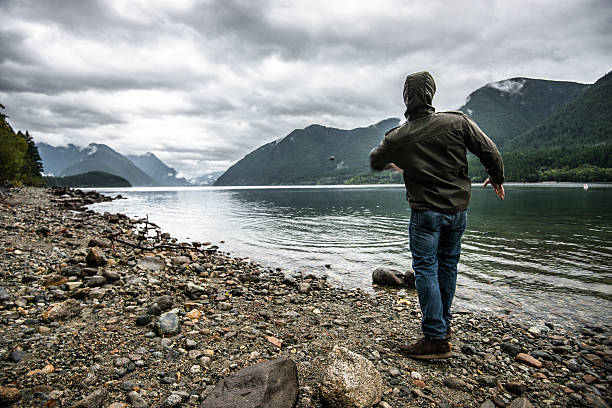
column 419, row 90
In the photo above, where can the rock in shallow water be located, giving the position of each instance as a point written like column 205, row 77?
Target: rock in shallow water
column 388, row 277
column 350, row 380
column 271, row 384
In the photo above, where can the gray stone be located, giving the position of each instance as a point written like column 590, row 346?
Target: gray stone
column 304, row 287
column 594, row 400
column 180, row 260
column 111, row 276
column 487, row 404
column 93, row 400
column 4, row 296
column 65, row 310
column 521, row 402
column 271, row 384
column 350, row 380
column 173, row 400
column 96, row 281
column 193, row 291
column 73, row 270
column 151, row 263
column 165, row 302
column 95, row 257
column 16, row 356
column 143, row 320
column 168, row 323
column 510, row 348
column 136, row 400
column 387, row 277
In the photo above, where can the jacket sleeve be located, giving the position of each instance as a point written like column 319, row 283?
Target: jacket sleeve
column 483, row 147
column 381, row 156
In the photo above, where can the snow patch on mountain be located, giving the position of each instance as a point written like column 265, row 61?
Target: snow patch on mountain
column 511, row 86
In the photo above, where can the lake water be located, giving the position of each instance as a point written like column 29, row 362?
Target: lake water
column 544, row 253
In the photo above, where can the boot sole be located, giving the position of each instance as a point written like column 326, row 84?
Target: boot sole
column 429, row 356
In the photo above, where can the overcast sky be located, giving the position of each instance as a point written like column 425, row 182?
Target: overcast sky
column 202, row 83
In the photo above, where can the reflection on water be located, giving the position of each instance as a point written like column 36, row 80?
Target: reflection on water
column 537, row 252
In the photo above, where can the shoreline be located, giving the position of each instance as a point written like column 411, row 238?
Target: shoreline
column 236, row 313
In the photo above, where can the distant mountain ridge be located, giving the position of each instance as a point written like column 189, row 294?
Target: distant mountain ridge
column 157, row 169
column 71, row 160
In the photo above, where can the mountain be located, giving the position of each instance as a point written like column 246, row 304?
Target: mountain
column 314, row 155
column 207, row 179
column 100, row 157
column 158, row 170
column 508, row 108
column 56, row 158
column 72, row 160
column 586, row 120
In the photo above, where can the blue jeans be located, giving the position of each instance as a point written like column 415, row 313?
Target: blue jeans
column 435, row 243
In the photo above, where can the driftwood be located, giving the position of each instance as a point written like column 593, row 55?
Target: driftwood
column 143, row 239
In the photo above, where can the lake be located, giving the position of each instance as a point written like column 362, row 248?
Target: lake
column 544, row 253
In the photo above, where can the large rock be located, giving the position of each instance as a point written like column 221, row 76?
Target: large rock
column 65, row 310
column 95, row 257
column 169, row 323
column 152, row 263
column 271, row 384
column 387, row 277
column 350, row 381
column 94, row 400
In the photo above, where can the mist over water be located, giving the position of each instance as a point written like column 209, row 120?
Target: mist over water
column 544, row 253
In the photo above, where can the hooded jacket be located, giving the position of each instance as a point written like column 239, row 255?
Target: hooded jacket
column 431, row 148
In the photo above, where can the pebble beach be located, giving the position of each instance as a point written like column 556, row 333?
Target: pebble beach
column 103, row 310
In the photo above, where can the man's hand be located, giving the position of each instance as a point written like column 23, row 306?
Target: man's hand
column 499, row 188
column 393, row 167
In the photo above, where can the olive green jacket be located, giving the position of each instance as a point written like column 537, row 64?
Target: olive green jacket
column 431, row 149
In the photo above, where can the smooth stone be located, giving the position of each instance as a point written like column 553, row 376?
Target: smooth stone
column 136, row 400
column 304, row 287
column 65, row 310
column 350, row 380
column 387, row 277
column 16, row 356
column 143, row 320
column 93, row 400
column 527, row 359
column 151, row 263
column 271, row 384
column 95, row 257
column 455, row 383
column 521, row 402
column 169, row 323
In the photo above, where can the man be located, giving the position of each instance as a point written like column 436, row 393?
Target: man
column 430, row 149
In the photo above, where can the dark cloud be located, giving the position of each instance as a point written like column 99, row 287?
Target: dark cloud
column 202, row 83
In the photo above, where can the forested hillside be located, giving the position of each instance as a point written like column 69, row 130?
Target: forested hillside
column 90, row 179
column 508, row 108
column 20, row 163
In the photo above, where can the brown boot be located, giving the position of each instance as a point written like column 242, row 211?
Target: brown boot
column 449, row 333
column 425, row 349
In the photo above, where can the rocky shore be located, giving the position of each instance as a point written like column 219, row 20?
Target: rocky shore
column 100, row 310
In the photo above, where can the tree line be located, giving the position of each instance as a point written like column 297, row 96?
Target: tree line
column 20, row 163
